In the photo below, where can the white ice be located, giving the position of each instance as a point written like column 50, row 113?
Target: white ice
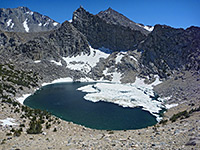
column 119, row 57
column 85, row 62
column 47, row 22
column 88, row 89
column 22, row 99
column 116, row 77
column 126, row 95
column 149, row 28
column 60, row 80
column 57, row 63
column 9, row 22
column 8, row 122
column 37, row 61
column 55, row 24
column 26, row 25
column 12, row 25
column 133, row 58
column 29, row 12
column 168, row 106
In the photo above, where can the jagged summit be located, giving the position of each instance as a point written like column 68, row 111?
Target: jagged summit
column 114, row 17
column 22, row 19
column 101, row 33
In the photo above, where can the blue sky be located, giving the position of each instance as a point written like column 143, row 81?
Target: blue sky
column 176, row 13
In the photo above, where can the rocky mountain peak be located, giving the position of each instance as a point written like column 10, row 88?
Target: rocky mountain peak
column 22, row 19
column 101, row 33
column 114, row 17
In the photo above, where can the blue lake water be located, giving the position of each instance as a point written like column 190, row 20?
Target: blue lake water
column 66, row 102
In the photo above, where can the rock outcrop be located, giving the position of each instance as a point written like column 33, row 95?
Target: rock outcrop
column 113, row 17
column 101, row 33
column 167, row 49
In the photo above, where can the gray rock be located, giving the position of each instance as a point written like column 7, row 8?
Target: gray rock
column 113, row 17
column 22, row 19
column 100, row 33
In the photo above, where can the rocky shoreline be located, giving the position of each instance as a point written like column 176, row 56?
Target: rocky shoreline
column 181, row 134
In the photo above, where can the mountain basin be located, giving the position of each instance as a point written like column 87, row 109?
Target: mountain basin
column 66, row 102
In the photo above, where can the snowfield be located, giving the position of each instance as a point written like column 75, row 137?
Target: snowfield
column 83, row 62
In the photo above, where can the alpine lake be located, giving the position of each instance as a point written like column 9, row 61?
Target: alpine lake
column 66, row 102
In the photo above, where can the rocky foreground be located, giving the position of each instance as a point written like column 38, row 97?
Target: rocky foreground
column 182, row 134
column 179, row 132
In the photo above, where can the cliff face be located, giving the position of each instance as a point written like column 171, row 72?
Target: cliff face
column 100, row 33
column 69, row 41
column 113, row 17
column 65, row 41
column 166, row 49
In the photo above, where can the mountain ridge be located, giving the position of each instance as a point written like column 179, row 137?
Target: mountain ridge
column 22, row 19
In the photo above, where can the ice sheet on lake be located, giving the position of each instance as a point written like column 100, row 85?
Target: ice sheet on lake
column 126, row 95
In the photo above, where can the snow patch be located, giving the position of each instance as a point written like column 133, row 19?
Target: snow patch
column 29, row 12
column 47, row 22
column 57, row 63
column 26, row 25
column 148, row 28
column 12, row 25
column 168, row 106
column 55, row 24
column 40, row 24
column 8, row 122
column 61, row 80
column 70, row 20
column 119, row 57
column 22, row 99
column 9, row 22
column 133, row 58
column 116, row 77
column 37, row 61
column 85, row 62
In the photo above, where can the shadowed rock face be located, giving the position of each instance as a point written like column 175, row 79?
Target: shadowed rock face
column 113, row 17
column 100, row 33
column 22, row 19
column 69, row 41
column 167, row 49
column 65, row 41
